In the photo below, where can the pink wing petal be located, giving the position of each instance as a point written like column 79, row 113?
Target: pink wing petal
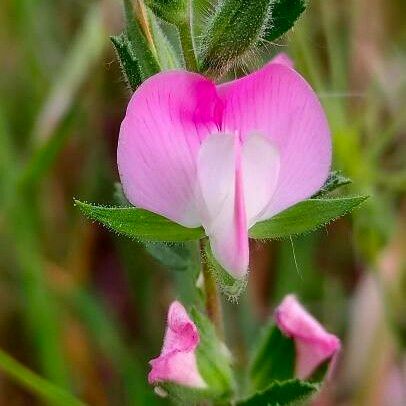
column 177, row 362
column 221, row 185
column 260, row 168
column 314, row 344
column 166, row 120
column 278, row 103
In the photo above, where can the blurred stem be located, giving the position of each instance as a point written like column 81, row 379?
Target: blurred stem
column 186, row 41
column 212, row 297
column 36, row 384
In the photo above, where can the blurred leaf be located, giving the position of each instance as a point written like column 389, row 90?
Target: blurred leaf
column 230, row 286
column 304, row 217
column 290, row 392
column 274, row 359
column 46, row 390
column 139, row 224
column 232, row 33
column 128, row 62
column 334, row 181
column 139, row 45
column 283, row 16
column 41, row 309
column 42, row 159
column 8, row 159
column 106, row 333
column 85, row 50
column 176, row 257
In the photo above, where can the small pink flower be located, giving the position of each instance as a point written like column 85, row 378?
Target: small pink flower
column 224, row 157
column 314, row 344
column 177, row 362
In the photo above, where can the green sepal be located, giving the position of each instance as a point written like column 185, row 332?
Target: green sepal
column 273, row 360
column 166, row 53
column 213, row 359
column 291, row 392
column 334, row 181
column 139, row 224
column 140, row 48
column 232, row 287
column 128, row 63
column 173, row 11
column 183, row 395
column 232, row 33
column 305, row 216
column 283, row 16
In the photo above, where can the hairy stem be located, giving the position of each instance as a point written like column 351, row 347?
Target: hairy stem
column 212, row 297
column 186, row 41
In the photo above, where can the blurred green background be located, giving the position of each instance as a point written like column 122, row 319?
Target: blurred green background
column 86, row 309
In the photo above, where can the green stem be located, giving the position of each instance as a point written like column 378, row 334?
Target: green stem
column 186, row 42
column 36, row 384
column 212, row 297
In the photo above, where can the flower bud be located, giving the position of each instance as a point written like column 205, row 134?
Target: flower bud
column 232, row 33
column 314, row 345
column 193, row 363
column 177, row 361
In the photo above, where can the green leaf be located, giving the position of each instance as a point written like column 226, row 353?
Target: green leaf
column 334, row 181
column 232, row 33
column 304, row 217
column 283, row 16
column 139, row 224
column 230, row 286
column 139, row 45
column 129, row 65
column 274, row 359
column 290, row 392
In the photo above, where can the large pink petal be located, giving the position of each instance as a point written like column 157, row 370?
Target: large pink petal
column 278, row 103
column 314, row 344
column 221, row 184
column 167, row 119
column 177, row 362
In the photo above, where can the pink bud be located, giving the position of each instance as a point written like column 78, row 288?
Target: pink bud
column 177, row 361
column 313, row 343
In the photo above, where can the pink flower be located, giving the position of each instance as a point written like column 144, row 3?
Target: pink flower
column 177, row 362
column 314, row 344
column 224, row 157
